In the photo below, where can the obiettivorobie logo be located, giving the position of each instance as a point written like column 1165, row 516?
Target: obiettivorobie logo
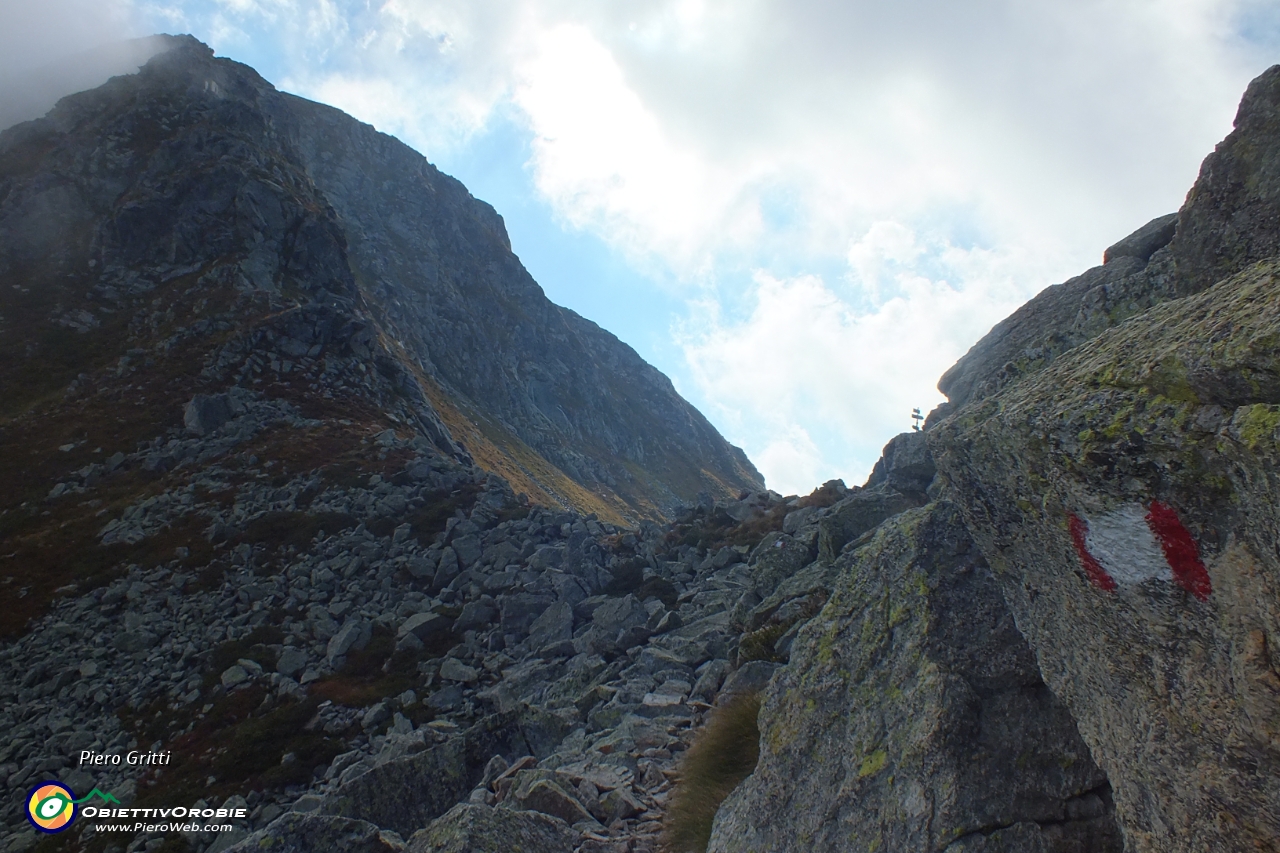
column 51, row 806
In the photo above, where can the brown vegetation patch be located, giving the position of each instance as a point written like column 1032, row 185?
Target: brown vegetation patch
column 283, row 529
column 724, row 753
column 48, row 556
column 377, row 671
column 239, row 742
column 712, row 532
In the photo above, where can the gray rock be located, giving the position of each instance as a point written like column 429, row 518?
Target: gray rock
column 475, row 614
column 547, row 557
column 447, row 569
column 375, row 716
column 1229, row 219
column 911, row 714
column 710, row 677
column 131, row 642
column 312, row 833
column 233, row 676
column 353, row 636
column 468, row 550
column 904, row 466
column 425, row 565
column 550, row 797
column 521, row 609
column 776, row 558
column 1137, row 548
column 426, row 626
column 227, row 839
column 751, row 677
column 204, row 414
column 404, row 795
column 553, row 626
column 796, row 519
column 619, row 614
column 471, row 828
column 291, row 661
column 857, row 514
column 454, row 670
column 446, row 699
column 620, row 804
column 1144, row 242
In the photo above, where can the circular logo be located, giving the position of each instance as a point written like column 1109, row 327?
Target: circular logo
column 51, row 807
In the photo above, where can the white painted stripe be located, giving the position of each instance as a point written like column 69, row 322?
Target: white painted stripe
column 1123, row 544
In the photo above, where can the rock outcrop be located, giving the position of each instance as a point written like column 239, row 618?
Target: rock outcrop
column 1230, row 219
column 1126, row 496
column 1121, row 480
column 912, row 717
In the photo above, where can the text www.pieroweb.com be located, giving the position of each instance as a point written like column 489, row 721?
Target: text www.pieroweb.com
column 161, row 827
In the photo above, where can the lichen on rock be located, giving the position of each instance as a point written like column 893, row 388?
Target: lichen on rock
column 912, row 716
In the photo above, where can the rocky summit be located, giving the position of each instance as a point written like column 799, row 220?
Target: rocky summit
column 323, row 524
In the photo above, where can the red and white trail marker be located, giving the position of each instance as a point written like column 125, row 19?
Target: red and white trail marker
column 1133, row 544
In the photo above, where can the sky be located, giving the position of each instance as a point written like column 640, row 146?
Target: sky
column 802, row 212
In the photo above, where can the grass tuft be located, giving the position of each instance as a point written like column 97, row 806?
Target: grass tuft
column 724, row 754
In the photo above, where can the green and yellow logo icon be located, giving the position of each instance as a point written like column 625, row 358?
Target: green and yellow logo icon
column 51, row 807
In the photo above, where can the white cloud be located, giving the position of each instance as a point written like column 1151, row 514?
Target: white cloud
column 604, row 161
column 55, row 47
column 809, row 361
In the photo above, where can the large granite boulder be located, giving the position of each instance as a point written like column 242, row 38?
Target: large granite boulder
column 857, row 514
column 1127, row 497
column 904, row 465
column 471, row 828
column 912, row 718
column 405, row 794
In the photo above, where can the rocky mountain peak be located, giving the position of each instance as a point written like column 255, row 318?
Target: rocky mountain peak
column 198, row 189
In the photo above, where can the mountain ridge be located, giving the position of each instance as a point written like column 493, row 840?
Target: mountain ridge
column 428, row 269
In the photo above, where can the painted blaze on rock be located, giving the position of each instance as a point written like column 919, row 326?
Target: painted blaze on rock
column 1132, row 544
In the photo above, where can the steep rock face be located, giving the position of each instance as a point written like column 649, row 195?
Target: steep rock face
column 1232, row 215
column 524, row 370
column 194, row 191
column 912, row 717
column 1124, row 490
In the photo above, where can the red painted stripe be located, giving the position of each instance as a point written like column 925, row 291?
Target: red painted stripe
column 1092, row 568
column 1180, row 550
